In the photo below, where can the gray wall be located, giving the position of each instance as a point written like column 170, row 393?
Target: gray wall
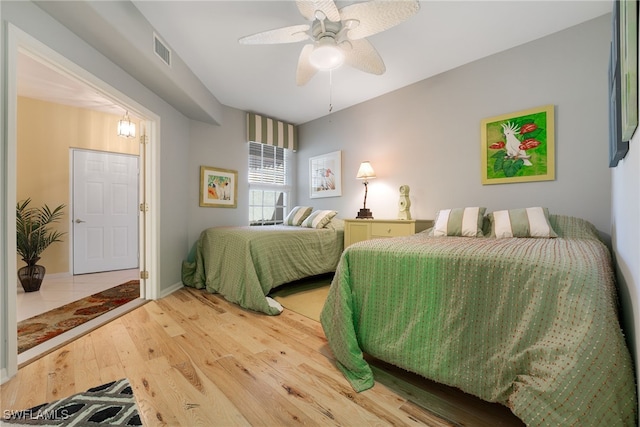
column 223, row 147
column 427, row 135
column 625, row 237
column 174, row 127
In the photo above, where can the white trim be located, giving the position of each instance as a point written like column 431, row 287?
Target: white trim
column 9, row 338
column 151, row 254
column 3, row 223
column 70, row 234
column 18, row 40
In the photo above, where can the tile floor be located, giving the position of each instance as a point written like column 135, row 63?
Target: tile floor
column 58, row 290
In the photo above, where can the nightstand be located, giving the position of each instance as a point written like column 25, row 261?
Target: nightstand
column 357, row 230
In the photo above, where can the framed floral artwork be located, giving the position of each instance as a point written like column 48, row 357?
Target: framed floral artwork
column 325, row 175
column 518, row 147
column 218, row 187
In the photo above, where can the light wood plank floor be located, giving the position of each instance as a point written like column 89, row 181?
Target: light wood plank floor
column 194, row 359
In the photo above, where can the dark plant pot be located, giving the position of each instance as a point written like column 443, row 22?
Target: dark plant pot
column 31, row 276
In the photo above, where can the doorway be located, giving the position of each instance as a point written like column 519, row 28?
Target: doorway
column 20, row 42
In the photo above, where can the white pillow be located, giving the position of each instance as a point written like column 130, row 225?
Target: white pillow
column 318, row 219
column 297, row 215
column 527, row 222
column 464, row 222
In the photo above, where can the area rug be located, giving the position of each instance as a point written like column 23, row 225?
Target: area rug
column 43, row 327
column 111, row 404
column 305, row 296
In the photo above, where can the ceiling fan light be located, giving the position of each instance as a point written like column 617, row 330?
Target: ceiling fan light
column 326, row 56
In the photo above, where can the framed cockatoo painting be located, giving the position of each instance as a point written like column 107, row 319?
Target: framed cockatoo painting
column 518, row 147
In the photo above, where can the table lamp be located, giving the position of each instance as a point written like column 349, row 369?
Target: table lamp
column 365, row 172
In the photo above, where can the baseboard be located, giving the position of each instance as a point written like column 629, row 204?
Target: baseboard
column 171, row 289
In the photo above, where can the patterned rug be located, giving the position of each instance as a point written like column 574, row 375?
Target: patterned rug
column 111, row 404
column 43, row 327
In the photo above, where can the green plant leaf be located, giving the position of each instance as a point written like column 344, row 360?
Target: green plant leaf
column 33, row 231
column 499, row 154
column 498, row 164
column 533, row 133
column 512, row 167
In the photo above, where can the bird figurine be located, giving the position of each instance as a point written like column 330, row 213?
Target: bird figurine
column 404, row 203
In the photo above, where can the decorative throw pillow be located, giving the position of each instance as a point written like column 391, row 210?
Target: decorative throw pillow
column 319, row 219
column 465, row 222
column 527, row 222
column 297, row 215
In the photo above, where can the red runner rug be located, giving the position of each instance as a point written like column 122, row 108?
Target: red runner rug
column 43, row 327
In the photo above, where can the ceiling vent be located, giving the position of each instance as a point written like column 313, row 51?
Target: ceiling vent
column 161, row 50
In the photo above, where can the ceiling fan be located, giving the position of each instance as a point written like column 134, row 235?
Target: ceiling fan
column 338, row 35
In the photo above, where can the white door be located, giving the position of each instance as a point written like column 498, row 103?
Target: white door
column 105, row 211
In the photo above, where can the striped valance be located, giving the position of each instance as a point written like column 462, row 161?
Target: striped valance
column 272, row 132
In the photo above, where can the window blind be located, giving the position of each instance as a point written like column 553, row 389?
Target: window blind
column 269, row 185
column 267, row 165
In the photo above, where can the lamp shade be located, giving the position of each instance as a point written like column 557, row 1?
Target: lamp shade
column 365, row 171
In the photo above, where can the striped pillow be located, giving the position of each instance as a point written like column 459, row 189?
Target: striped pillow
column 319, row 219
column 297, row 215
column 528, row 222
column 465, row 222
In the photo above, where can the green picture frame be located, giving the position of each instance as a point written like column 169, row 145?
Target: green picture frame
column 628, row 34
column 518, row 147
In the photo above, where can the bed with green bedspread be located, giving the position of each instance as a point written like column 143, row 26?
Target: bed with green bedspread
column 529, row 323
column 244, row 263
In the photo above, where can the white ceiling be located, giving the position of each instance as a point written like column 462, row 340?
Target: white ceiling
column 39, row 81
column 261, row 78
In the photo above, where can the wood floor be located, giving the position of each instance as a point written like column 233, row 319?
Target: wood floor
column 194, row 359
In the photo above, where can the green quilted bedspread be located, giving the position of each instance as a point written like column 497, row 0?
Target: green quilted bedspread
column 244, row 263
column 529, row 323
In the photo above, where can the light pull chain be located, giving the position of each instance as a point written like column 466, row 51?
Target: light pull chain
column 330, row 90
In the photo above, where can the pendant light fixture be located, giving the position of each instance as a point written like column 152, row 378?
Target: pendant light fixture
column 126, row 128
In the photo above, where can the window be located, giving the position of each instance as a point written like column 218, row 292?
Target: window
column 269, row 184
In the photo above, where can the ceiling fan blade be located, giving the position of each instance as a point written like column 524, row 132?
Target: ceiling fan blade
column 308, row 9
column 362, row 55
column 372, row 17
column 296, row 33
column 305, row 70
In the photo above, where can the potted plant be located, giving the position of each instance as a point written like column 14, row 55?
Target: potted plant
column 34, row 235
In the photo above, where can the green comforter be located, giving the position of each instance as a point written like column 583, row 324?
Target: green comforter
column 529, row 323
column 244, row 263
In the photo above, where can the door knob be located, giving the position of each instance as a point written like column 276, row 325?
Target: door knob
column 78, row 221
